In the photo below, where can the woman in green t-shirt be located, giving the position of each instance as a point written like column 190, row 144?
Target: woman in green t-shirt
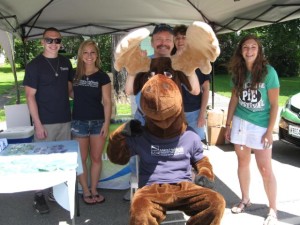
column 251, row 117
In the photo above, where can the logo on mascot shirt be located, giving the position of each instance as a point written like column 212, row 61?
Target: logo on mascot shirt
column 157, row 151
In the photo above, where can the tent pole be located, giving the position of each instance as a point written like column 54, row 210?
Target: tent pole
column 13, row 64
column 16, row 82
column 213, row 86
column 25, row 52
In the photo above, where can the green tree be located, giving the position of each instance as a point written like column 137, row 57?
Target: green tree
column 227, row 43
column 281, row 47
column 32, row 49
column 105, row 46
column 281, row 43
column 70, row 46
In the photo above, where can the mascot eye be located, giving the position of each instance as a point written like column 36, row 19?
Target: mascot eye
column 168, row 74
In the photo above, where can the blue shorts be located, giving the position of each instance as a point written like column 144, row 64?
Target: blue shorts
column 85, row 128
column 192, row 120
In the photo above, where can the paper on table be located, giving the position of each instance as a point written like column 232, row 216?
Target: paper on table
column 38, row 163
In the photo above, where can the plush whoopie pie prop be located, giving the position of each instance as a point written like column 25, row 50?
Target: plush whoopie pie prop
column 167, row 151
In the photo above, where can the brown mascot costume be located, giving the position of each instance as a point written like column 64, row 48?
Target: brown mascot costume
column 166, row 147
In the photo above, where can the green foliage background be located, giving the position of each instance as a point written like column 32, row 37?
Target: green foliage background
column 280, row 42
column 70, row 47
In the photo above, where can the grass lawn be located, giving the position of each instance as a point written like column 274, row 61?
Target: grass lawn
column 7, row 86
column 123, row 109
column 289, row 86
column 7, row 83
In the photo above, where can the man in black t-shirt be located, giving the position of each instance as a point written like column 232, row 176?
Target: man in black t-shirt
column 47, row 81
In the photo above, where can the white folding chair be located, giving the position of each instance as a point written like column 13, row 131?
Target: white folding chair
column 134, row 185
column 134, row 180
column 205, row 141
column 206, row 129
column 17, row 115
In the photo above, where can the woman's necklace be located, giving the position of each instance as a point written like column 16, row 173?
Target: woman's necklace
column 55, row 71
column 87, row 74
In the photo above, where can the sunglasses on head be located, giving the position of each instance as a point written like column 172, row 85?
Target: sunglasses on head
column 51, row 40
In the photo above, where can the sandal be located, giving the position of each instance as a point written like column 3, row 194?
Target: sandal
column 271, row 219
column 98, row 198
column 88, row 199
column 240, row 207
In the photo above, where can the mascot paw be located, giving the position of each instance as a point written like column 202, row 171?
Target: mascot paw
column 129, row 55
column 132, row 128
column 202, row 48
column 203, row 181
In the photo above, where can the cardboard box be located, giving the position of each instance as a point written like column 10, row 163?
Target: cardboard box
column 216, row 135
column 215, row 117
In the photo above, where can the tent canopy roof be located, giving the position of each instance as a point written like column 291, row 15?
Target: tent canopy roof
column 29, row 18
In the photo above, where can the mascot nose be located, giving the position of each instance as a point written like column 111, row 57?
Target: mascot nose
column 161, row 98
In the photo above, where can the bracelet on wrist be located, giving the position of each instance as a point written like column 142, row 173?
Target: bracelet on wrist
column 227, row 125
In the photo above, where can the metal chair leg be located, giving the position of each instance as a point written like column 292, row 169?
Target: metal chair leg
column 77, row 198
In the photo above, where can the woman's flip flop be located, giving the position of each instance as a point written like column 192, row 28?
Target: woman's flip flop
column 240, row 207
column 88, row 199
column 98, row 198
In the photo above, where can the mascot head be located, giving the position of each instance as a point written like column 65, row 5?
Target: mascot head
column 161, row 103
column 161, row 65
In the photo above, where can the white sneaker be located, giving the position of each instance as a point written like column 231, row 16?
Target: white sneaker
column 271, row 218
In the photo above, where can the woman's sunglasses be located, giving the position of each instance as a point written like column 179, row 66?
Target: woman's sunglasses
column 51, row 40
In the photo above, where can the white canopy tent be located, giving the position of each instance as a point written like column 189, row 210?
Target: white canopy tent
column 27, row 19
column 76, row 17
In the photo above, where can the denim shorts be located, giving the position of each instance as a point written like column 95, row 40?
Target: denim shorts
column 85, row 128
column 192, row 120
